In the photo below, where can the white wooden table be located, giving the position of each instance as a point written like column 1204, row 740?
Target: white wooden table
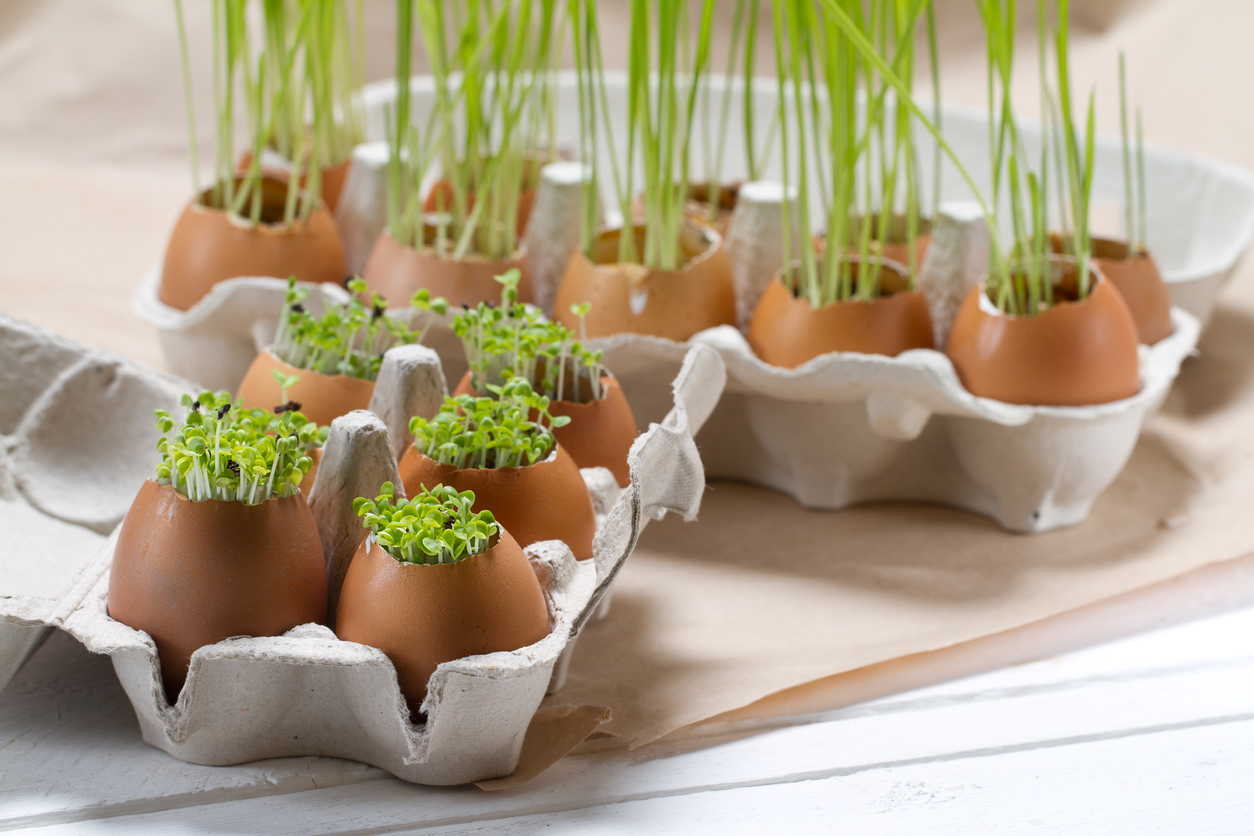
column 1148, row 734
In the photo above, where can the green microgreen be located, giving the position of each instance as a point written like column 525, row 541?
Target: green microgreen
column 225, row 452
column 491, row 432
column 494, row 68
column 348, row 339
column 438, row 526
column 514, row 339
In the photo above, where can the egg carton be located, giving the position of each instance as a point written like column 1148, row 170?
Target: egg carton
column 78, row 441
column 848, row 428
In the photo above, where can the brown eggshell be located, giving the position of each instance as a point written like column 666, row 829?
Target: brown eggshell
column 1074, row 354
column 440, row 198
column 673, row 304
column 208, row 246
column 322, row 398
column 547, row 500
column 333, row 179
column 421, row 615
column 332, row 184
column 600, row 433
column 1137, row 279
column 896, row 248
column 395, row 272
column 785, row 331
column 191, row 574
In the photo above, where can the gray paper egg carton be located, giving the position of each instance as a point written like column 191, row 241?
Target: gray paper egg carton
column 78, row 440
column 847, row 428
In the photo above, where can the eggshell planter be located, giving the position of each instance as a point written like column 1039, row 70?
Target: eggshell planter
column 192, row 574
column 322, row 397
column 1138, row 280
column 422, row 616
column 275, row 165
column 441, row 195
column 629, row 298
column 209, row 246
column 846, row 428
column 600, row 432
column 787, row 331
column 1076, row 353
column 396, row 272
column 547, row 500
column 305, row 692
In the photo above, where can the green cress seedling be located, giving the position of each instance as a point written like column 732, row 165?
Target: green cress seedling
column 228, row 453
column 516, row 340
column 436, row 526
column 494, row 432
column 350, row 339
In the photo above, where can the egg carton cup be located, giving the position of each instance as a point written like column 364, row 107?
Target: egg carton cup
column 78, row 441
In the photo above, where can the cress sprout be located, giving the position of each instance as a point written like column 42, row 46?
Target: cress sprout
column 228, row 453
column 349, row 339
column 514, row 339
column 436, row 526
column 480, row 433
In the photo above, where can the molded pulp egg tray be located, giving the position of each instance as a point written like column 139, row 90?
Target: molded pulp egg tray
column 844, row 428
column 77, row 438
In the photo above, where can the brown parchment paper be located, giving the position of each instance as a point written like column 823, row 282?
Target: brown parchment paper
column 758, row 596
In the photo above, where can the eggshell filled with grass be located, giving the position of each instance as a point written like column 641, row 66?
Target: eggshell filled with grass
column 209, row 246
column 630, row 298
column 396, row 271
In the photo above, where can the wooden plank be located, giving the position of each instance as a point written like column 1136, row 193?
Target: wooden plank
column 1192, row 780
column 66, row 717
column 70, row 747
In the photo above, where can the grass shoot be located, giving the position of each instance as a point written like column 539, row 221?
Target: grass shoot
column 493, row 66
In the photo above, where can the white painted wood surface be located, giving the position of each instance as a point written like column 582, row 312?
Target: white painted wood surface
column 1149, row 734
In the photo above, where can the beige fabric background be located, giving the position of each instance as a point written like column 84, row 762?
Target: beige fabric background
column 759, row 595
